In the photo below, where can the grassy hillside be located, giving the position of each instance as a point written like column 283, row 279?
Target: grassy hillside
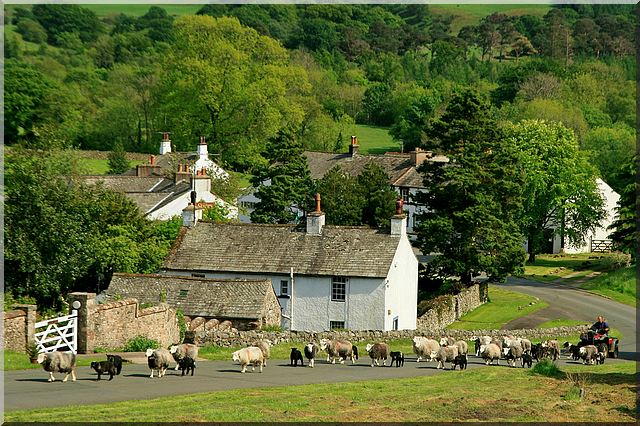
column 375, row 140
column 618, row 285
column 471, row 14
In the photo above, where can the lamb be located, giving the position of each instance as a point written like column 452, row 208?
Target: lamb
column 573, row 351
column 116, row 360
column 537, row 351
column 296, row 356
column 377, row 352
column 342, row 349
column 398, row 358
column 59, row 362
column 424, row 347
column 251, row 355
column 490, row 352
column 187, row 364
column 185, row 350
column 589, row 354
column 460, row 360
column 527, row 360
column 310, row 351
column 158, row 359
column 479, row 341
column 552, row 349
column 104, row 367
column 445, row 354
column 265, row 347
column 514, row 353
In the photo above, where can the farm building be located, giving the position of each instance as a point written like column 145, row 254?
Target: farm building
column 247, row 304
column 325, row 276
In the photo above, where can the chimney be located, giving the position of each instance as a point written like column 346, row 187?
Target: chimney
column 315, row 219
column 353, row 148
column 419, row 156
column 191, row 215
column 201, row 182
column 399, row 220
column 183, row 173
column 144, row 170
column 202, row 148
column 165, row 144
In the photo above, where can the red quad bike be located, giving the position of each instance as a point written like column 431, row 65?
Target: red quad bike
column 601, row 341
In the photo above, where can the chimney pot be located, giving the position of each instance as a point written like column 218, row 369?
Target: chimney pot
column 318, row 202
column 399, row 205
column 152, row 160
column 353, row 148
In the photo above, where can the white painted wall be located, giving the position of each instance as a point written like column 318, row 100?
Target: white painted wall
column 175, row 207
column 401, row 289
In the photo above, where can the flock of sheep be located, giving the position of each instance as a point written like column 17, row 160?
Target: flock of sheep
column 490, row 349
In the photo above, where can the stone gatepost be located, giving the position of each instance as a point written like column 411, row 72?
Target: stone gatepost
column 86, row 333
column 29, row 323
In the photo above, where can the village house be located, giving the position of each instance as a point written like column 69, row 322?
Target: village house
column 163, row 187
column 326, row 277
column 246, row 304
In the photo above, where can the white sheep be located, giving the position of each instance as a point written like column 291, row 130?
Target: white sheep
column 447, row 341
column 463, row 347
column 479, row 341
column 185, row 350
column 310, row 351
column 445, row 354
column 158, row 359
column 490, row 352
column 59, row 362
column 425, row 347
column 251, row 355
column 513, row 353
column 265, row 347
column 377, row 352
column 589, row 354
column 341, row 349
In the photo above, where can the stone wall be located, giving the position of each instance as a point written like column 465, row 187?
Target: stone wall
column 19, row 328
column 111, row 325
column 449, row 308
column 244, row 338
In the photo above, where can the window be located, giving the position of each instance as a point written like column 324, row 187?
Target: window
column 395, row 323
column 338, row 289
column 336, row 324
column 404, row 193
column 284, row 287
column 195, row 275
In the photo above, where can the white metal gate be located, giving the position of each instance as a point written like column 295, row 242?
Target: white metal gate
column 58, row 333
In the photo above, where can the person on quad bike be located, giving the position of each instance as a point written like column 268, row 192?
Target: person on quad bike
column 600, row 326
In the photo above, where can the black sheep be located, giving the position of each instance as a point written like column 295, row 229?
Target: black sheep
column 296, row 356
column 398, row 358
column 104, row 367
column 460, row 360
column 527, row 360
column 116, row 360
column 187, row 364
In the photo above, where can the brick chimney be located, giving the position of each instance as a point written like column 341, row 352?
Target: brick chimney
column 353, row 148
column 419, row 156
column 191, row 215
column 165, row 144
column 144, row 170
column 399, row 220
column 315, row 219
column 183, row 173
column 201, row 182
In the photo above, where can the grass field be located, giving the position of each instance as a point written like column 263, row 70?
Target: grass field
column 550, row 267
column 619, row 285
column 503, row 306
column 471, row 14
column 495, row 394
column 375, row 140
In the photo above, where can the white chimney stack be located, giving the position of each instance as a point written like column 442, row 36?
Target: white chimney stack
column 202, row 148
column 165, row 144
column 315, row 219
column 399, row 220
column 191, row 215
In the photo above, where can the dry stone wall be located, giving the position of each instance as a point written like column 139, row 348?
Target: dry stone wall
column 449, row 308
column 19, row 328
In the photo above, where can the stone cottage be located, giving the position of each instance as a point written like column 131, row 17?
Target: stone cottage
column 247, row 304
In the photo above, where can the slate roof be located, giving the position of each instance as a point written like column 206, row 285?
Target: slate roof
column 275, row 249
column 120, row 183
column 204, row 297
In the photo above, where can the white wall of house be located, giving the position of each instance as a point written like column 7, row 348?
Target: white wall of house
column 410, row 207
column 175, row 207
column 401, row 289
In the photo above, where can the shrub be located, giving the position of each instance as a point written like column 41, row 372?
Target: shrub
column 272, row 328
column 616, row 260
column 182, row 324
column 140, row 344
column 546, row 367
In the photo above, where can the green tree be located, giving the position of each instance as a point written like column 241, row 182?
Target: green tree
column 625, row 232
column 470, row 208
column 284, row 185
column 342, row 202
column 233, row 85
column 118, row 162
column 560, row 191
column 32, row 31
column 58, row 19
column 609, row 149
column 379, row 198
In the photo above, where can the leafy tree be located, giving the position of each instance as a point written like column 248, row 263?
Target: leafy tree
column 342, row 202
column 609, row 148
column 284, row 185
column 118, row 162
column 471, row 205
column 625, row 231
column 379, row 198
column 560, row 190
column 68, row 18
column 32, row 31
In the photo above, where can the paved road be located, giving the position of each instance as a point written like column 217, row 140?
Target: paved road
column 29, row 389
column 571, row 303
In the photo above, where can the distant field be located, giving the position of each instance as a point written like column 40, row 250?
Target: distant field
column 129, row 9
column 375, row 140
column 471, row 14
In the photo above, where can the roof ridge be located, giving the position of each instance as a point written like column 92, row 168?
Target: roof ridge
column 185, row 277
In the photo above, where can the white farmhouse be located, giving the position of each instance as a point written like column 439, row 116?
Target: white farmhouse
column 326, row 277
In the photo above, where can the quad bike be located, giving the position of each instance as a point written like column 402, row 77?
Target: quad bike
column 602, row 341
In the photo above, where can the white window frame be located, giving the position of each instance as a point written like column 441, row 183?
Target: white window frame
column 337, row 282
